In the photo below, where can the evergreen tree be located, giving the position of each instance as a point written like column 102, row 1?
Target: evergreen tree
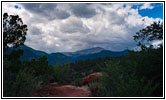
column 150, row 33
column 14, row 31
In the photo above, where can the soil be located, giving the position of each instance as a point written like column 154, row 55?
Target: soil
column 55, row 90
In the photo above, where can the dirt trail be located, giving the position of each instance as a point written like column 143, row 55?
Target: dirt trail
column 55, row 90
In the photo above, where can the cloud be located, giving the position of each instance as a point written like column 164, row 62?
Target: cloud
column 46, row 10
column 54, row 27
column 35, row 30
column 147, row 6
column 73, row 25
column 83, row 10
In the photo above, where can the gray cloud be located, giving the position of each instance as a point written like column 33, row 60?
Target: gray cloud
column 115, row 18
column 47, row 10
column 35, row 30
column 74, row 25
column 36, row 7
column 83, row 10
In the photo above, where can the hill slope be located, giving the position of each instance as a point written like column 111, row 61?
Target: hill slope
column 62, row 58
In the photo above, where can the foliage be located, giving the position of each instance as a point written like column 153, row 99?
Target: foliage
column 8, row 77
column 136, row 74
column 95, row 88
column 150, row 64
column 119, row 83
column 150, row 33
column 61, row 74
column 41, row 69
column 14, row 31
column 77, row 81
column 22, row 79
column 82, row 68
column 15, row 77
column 25, row 83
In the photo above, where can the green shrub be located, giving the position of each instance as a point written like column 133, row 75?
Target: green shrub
column 61, row 74
column 138, row 74
column 77, row 82
column 21, row 78
column 118, row 81
column 17, row 83
column 25, row 83
column 94, row 87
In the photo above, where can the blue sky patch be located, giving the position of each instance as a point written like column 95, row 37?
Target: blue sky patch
column 136, row 6
column 16, row 6
column 156, row 12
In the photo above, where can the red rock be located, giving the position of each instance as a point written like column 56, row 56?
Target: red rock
column 92, row 77
column 55, row 90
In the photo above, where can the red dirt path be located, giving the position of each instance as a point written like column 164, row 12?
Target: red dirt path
column 55, row 90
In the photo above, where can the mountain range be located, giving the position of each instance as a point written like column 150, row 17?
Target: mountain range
column 84, row 52
column 64, row 57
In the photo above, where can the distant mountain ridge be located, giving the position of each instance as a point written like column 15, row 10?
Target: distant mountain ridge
column 102, row 54
column 84, row 52
column 90, row 50
column 65, row 57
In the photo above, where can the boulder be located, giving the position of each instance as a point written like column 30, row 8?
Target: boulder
column 91, row 78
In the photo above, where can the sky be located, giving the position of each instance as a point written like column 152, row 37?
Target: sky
column 68, row 27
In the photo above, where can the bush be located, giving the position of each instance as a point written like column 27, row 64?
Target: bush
column 138, row 74
column 94, row 87
column 42, row 70
column 61, row 74
column 22, row 78
column 25, row 83
column 17, row 83
column 77, row 81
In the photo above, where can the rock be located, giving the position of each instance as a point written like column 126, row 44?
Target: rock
column 55, row 90
column 91, row 78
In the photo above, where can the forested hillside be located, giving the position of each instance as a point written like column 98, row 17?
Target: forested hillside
column 62, row 58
